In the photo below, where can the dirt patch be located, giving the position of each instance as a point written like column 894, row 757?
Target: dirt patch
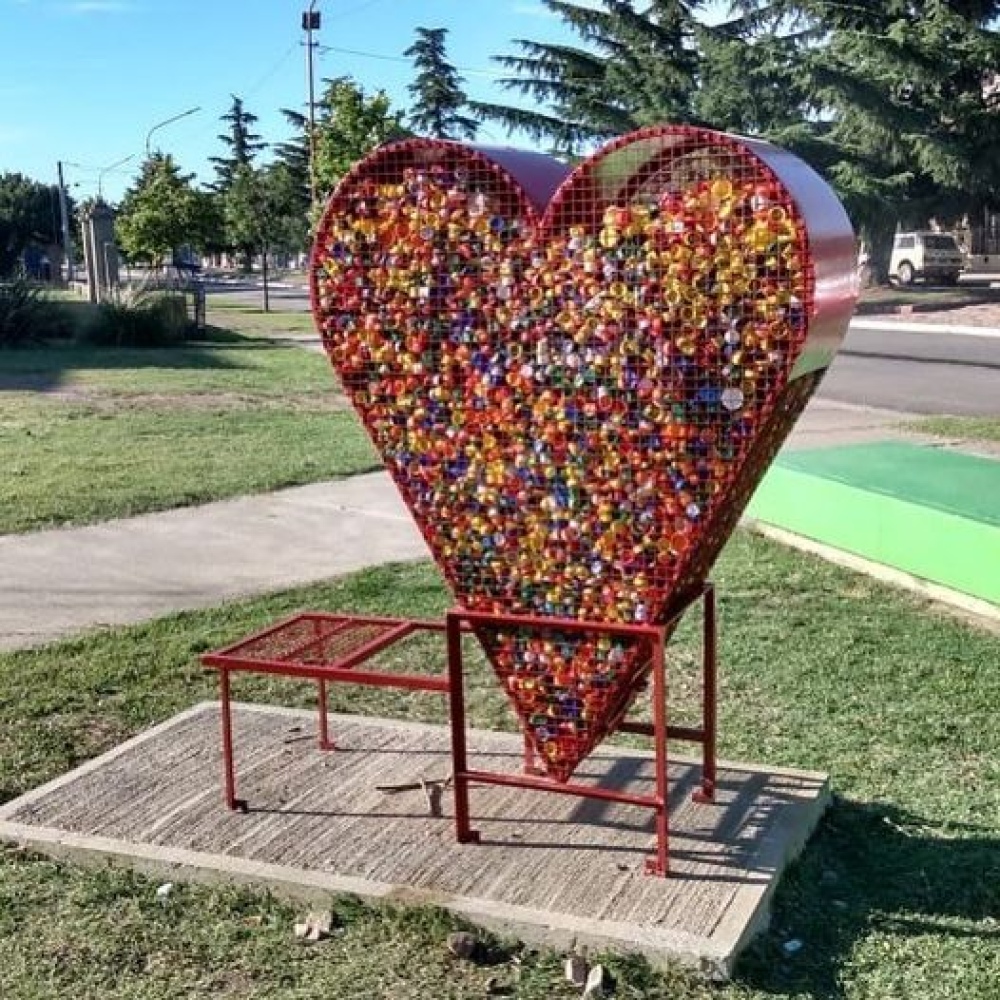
column 984, row 314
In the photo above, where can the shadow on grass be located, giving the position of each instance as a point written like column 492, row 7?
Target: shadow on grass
column 42, row 369
column 873, row 868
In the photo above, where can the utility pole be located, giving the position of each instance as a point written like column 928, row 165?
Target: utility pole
column 64, row 219
column 311, row 23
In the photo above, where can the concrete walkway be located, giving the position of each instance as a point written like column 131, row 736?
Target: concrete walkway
column 61, row 581
column 118, row 572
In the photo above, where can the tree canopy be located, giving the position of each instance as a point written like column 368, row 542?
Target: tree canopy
column 438, row 97
column 350, row 123
column 27, row 214
column 242, row 143
column 163, row 211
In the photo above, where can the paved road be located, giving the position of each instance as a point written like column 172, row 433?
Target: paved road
column 917, row 373
column 908, row 372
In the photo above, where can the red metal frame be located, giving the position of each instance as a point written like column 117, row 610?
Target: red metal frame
column 247, row 656
column 240, row 657
column 460, row 619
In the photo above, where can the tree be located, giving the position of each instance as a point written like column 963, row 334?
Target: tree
column 28, row 213
column 258, row 210
column 903, row 123
column 242, row 142
column 633, row 68
column 349, row 125
column 164, row 211
column 437, row 90
column 292, row 156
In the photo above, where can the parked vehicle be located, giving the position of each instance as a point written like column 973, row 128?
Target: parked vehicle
column 927, row 256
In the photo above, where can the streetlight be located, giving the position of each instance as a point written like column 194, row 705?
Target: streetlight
column 167, row 121
column 67, row 238
column 311, row 23
column 106, row 170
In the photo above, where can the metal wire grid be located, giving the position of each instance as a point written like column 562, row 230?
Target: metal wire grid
column 566, row 403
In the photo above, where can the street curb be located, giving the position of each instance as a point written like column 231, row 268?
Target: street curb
column 904, row 326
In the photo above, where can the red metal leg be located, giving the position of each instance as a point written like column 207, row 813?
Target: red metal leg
column 325, row 743
column 530, row 767
column 660, row 865
column 464, row 833
column 709, row 700
column 232, row 802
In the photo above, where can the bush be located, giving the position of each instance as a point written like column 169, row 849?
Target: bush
column 27, row 316
column 141, row 317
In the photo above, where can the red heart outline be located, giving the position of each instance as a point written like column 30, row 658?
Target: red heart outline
column 379, row 307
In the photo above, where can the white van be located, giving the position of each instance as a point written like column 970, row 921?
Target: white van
column 934, row 257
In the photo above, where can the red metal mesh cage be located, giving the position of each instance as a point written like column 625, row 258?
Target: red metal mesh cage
column 576, row 405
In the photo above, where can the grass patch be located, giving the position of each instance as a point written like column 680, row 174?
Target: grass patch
column 254, row 322
column 91, row 433
column 897, row 896
column 966, row 428
column 886, row 299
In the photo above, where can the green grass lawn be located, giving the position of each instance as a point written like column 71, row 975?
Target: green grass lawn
column 91, row 433
column 965, row 428
column 896, row 897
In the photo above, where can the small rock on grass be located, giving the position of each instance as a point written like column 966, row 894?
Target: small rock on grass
column 317, row 926
column 576, row 970
column 462, row 944
column 163, row 891
column 599, row 984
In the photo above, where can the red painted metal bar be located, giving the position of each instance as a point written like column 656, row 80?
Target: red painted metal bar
column 559, row 787
column 371, row 678
column 229, row 660
column 229, row 765
column 709, row 699
column 687, row 733
column 660, row 865
column 464, row 833
column 325, row 743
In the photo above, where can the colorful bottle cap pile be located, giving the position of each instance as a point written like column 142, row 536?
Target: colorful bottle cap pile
column 567, row 401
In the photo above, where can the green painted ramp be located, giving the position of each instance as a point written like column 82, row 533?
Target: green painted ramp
column 926, row 511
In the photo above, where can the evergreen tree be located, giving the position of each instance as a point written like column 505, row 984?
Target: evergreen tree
column 241, row 141
column 293, row 156
column 437, row 90
column 634, row 67
column 904, row 123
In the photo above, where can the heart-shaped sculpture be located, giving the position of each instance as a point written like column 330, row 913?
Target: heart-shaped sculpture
column 576, row 397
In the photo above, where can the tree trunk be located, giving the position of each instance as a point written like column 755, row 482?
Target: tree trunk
column 263, row 267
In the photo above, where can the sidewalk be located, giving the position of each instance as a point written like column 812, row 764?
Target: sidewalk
column 118, row 572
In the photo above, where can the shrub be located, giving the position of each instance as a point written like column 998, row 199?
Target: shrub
column 139, row 317
column 27, row 316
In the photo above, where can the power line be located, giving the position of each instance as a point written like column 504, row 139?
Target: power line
column 401, row 59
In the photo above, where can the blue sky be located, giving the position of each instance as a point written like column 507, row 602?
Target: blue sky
column 83, row 81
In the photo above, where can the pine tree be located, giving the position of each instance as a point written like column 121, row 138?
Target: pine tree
column 634, row 67
column 903, row 120
column 242, row 142
column 437, row 90
column 292, row 156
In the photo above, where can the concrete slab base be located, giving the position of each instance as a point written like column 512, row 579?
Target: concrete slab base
column 551, row 869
